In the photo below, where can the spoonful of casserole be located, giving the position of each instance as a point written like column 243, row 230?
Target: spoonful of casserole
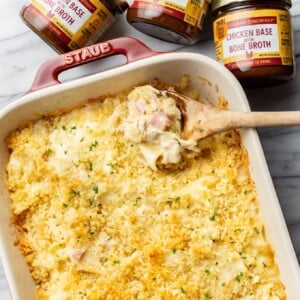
column 154, row 124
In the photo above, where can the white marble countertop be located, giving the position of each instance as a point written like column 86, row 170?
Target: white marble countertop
column 21, row 53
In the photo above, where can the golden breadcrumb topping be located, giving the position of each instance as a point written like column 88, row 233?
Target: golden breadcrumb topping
column 95, row 222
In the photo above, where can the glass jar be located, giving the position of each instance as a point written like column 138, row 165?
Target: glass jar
column 253, row 39
column 177, row 21
column 71, row 24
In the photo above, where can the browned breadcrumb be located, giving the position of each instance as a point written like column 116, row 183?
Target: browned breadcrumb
column 95, row 223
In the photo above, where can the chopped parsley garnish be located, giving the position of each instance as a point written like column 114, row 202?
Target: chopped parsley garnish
column 112, row 166
column 75, row 193
column 93, row 145
column 177, row 199
column 239, row 277
column 178, row 142
column 207, row 272
column 117, row 261
column 75, row 164
column 96, row 189
column 213, row 217
column 256, row 230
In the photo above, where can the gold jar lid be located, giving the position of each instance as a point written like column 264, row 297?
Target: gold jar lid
column 219, row 3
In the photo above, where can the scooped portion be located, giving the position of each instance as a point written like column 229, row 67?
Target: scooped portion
column 154, row 123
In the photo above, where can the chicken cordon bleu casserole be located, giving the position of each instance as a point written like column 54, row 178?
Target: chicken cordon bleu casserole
column 110, row 202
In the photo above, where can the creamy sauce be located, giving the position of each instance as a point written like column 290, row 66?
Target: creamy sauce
column 154, row 123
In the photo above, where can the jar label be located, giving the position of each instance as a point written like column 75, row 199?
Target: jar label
column 76, row 23
column 189, row 11
column 253, row 38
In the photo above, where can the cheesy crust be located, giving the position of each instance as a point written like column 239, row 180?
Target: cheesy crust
column 95, row 222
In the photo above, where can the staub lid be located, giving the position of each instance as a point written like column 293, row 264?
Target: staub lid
column 219, row 3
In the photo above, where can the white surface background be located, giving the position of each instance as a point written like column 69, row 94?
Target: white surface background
column 21, row 53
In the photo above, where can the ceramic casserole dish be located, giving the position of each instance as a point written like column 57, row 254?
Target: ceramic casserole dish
column 49, row 94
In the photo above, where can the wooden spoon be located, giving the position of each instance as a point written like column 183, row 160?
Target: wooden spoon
column 202, row 120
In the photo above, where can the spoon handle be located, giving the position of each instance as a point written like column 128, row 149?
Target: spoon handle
column 261, row 119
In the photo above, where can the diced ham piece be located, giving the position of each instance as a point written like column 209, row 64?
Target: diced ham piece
column 160, row 120
column 141, row 106
column 76, row 254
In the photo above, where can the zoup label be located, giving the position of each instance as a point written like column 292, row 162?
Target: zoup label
column 258, row 38
column 80, row 22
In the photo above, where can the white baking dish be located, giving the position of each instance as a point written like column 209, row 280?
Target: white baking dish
column 143, row 64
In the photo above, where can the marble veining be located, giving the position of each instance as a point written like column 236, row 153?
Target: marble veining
column 22, row 52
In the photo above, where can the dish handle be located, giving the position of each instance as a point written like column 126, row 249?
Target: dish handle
column 131, row 48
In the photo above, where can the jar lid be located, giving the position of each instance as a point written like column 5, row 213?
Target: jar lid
column 118, row 5
column 219, row 3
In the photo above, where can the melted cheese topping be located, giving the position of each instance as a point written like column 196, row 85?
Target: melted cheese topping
column 96, row 223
